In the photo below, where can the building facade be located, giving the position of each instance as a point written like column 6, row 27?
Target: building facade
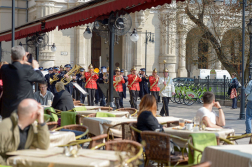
column 176, row 40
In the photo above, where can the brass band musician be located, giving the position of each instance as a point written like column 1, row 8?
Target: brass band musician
column 118, row 80
column 154, row 89
column 91, row 85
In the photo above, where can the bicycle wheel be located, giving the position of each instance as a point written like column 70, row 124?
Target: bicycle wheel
column 191, row 102
column 181, row 99
column 186, row 100
column 201, row 99
column 177, row 99
column 173, row 98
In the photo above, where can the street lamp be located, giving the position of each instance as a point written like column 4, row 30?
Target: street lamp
column 53, row 48
column 250, row 48
column 87, row 34
column 148, row 37
column 134, row 36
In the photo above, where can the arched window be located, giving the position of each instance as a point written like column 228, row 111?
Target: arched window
column 203, row 55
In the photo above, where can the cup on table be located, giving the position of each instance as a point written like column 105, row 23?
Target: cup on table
column 49, row 102
column 182, row 123
column 189, row 126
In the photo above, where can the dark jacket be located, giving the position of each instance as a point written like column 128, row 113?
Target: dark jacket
column 124, row 86
column 144, row 89
column 38, row 136
column 63, row 101
column 233, row 84
column 147, row 122
column 17, row 85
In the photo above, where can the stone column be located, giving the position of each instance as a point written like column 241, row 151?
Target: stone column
column 82, row 48
column 44, row 9
column 127, row 53
column 182, row 72
column 168, row 41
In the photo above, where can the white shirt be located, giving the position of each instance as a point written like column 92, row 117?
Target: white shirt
column 204, row 112
column 169, row 89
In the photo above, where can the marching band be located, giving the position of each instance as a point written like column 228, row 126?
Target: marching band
column 139, row 84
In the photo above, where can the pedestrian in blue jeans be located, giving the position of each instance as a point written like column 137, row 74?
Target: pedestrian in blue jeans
column 233, row 84
column 248, row 91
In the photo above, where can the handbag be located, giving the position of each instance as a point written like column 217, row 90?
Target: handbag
column 233, row 93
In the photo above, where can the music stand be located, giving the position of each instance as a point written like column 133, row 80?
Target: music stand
column 80, row 88
column 105, row 87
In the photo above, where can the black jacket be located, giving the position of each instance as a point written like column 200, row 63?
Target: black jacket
column 17, row 85
column 147, row 122
column 63, row 101
column 233, row 84
column 144, row 89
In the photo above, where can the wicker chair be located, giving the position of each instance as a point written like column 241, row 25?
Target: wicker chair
column 97, row 140
column 204, row 164
column 126, row 132
column 94, row 141
column 132, row 111
column 134, row 131
column 235, row 138
column 192, row 148
column 160, row 151
column 52, row 125
column 81, row 128
column 103, row 108
column 124, row 145
column 92, row 115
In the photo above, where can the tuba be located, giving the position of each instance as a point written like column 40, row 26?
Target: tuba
column 70, row 73
column 55, row 78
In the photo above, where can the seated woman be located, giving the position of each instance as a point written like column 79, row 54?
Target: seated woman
column 63, row 99
column 146, row 120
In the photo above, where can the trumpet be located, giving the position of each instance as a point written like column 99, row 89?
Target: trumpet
column 55, row 78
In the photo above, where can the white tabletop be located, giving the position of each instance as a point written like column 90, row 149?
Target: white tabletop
column 223, row 133
column 42, row 158
column 61, row 138
column 228, row 155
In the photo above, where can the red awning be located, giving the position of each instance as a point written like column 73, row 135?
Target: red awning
column 22, row 32
column 82, row 14
column 90, row 13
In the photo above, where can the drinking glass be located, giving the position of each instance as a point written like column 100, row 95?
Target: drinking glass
column 49, row 102
column 182, row 123
column 196, row 121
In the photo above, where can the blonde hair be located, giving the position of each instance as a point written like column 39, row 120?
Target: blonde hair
column 59, row 86
column 148, row 103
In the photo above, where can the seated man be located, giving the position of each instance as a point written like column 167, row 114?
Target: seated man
column 206, row 114
column 18, row 131
column 43, row 95
column 63, row 99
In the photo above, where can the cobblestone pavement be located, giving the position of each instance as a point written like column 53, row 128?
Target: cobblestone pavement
column 188, row 112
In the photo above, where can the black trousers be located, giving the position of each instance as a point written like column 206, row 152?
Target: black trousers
column 133, row 98
column 91, row 95
column 155, row 94
column 165, row 110
column 118, row 100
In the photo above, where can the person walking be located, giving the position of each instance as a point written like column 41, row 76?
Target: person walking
column 154, row 89
column 248, row 92
column 118, row 81
column 81, row 80
column 18, row 79
column 144, row 89
column 91, row 85
column 166, row 91
column 232, row 91
column 124, row 87
column 134, row 88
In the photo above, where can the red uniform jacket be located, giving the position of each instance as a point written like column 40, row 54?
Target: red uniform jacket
column 91, row 83
column 118, row 87
column 155, row 87
column 135, row 85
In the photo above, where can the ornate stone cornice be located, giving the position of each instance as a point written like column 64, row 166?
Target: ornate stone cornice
column 46, row 56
